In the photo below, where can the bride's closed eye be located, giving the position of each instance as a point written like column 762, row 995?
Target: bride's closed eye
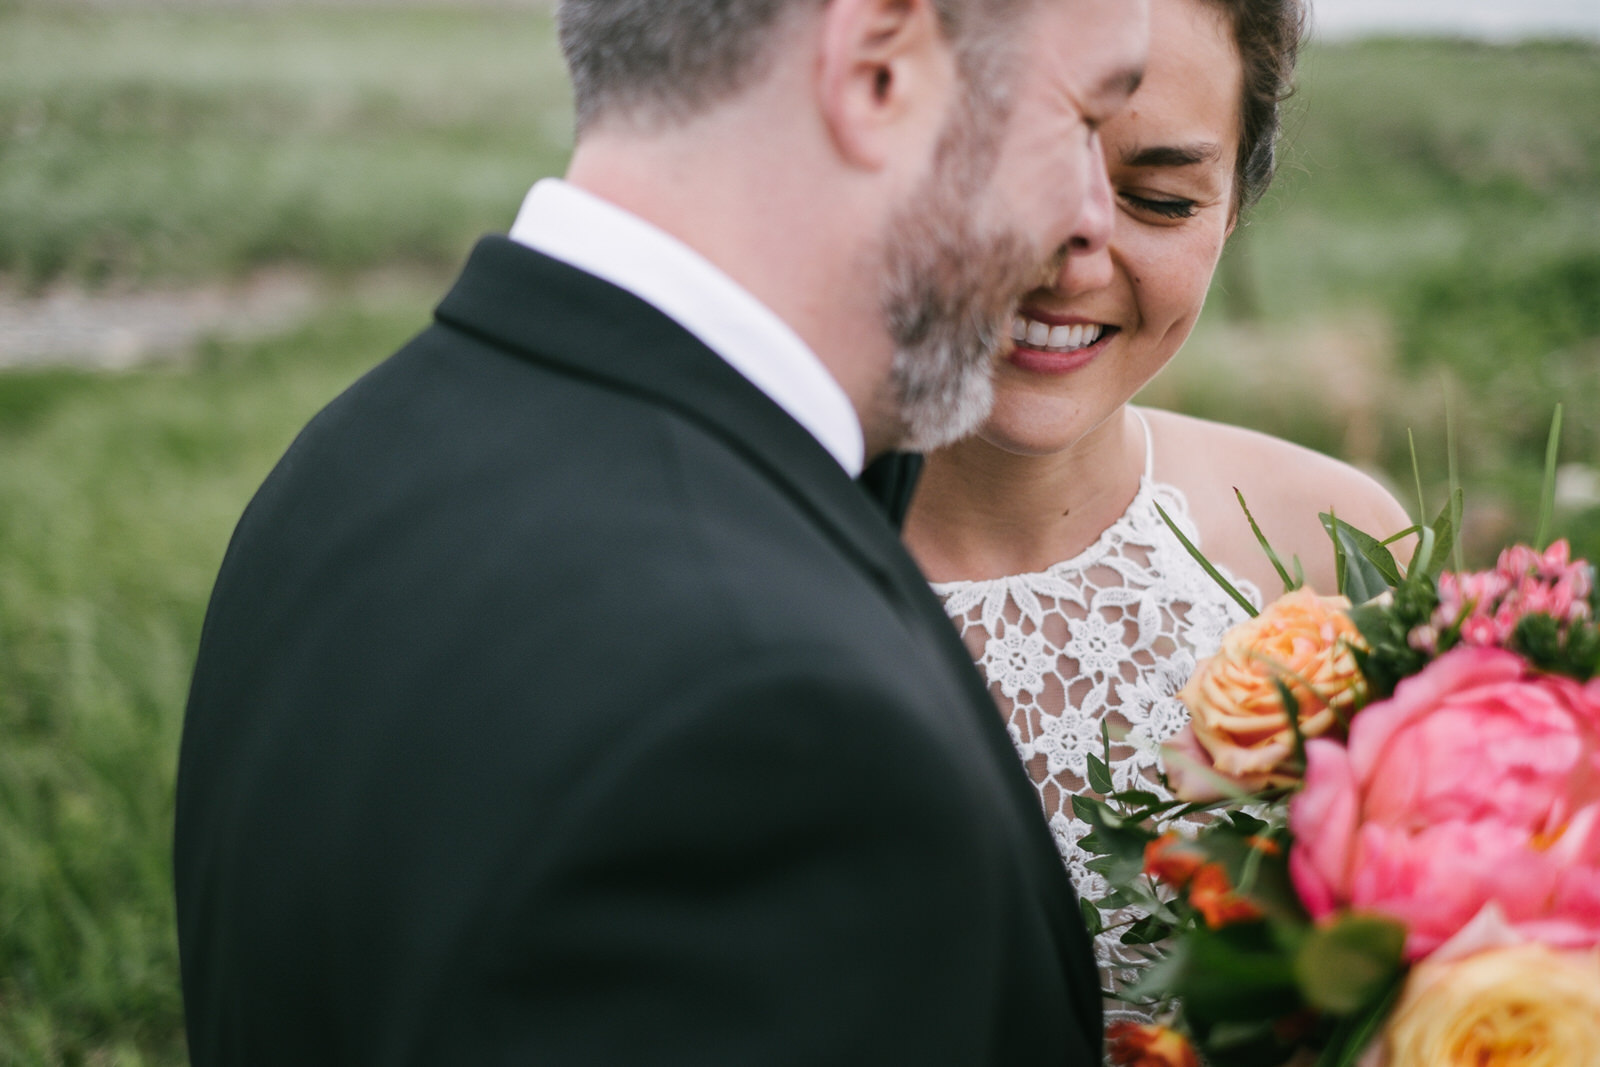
column 1165, row 207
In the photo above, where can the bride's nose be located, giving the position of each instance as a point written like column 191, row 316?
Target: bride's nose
column 1087, row 263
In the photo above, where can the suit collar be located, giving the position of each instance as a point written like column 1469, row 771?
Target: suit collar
column 567, row 223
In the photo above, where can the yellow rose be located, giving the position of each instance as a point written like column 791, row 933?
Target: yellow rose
column 1237, row 712
column 1525, row 1006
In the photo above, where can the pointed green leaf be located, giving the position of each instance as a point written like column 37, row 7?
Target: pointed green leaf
column 1547, row 494
column 1339, row 567
column 1416, row 473
column 1455, row 478
column 1091, row 917
column 1444, row 529
column 1289, row 584
column 1099, row 776
column 1147, row 931
column 1366, row 568
column 1206, row 565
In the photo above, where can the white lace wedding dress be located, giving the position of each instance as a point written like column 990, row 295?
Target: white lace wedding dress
column 1110, row 635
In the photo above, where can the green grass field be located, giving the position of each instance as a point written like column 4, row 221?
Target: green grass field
column 1438, row 220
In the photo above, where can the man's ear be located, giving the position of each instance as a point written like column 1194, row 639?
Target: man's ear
column 885, row 74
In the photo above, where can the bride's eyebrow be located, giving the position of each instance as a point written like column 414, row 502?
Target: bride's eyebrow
column 1172, row 155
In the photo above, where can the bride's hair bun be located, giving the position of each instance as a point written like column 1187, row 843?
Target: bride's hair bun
column 1268, row 34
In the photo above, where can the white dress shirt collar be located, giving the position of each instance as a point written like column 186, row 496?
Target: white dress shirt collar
column 599, row 238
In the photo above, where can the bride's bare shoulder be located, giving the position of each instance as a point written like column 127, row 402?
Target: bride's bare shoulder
column 1286, row 485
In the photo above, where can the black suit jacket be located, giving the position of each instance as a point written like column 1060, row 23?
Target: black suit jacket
column 562, row 701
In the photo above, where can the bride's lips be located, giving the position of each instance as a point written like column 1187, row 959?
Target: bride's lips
column 1056, row 344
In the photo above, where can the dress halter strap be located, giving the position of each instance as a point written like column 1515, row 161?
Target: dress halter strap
column 1149, row 448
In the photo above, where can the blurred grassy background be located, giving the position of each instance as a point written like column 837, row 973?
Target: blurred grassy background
column 1438, row 221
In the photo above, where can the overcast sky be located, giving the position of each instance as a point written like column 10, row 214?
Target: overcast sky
column 1493, row 19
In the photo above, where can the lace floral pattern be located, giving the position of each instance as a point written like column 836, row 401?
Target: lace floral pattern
column 1108, row 636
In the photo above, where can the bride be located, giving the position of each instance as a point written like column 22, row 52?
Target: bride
column 1041, row 533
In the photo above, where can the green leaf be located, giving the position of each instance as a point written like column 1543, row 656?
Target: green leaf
column 1416, row 473
column 1289, row 584
column 1366, row 568
column 1547, row 495
column 1339, row 567
column 1147, row 931
column 1120, row 840
column 1424, row 558
column 1436, row 541
column 1246, row 823
column 1091, row 917
column 1343, row 965
column 1099, row 776
column 1456, row 499
column 1206, row 565
column 1370, row 549
column 1291, row 708
column 1235, row 974
column 1138, row 799
column 1350, row 1038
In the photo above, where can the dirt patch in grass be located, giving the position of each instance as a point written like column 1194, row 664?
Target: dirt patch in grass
column 70, row 326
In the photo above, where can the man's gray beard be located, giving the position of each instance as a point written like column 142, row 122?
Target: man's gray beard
column 951, row 289
column 950, row 294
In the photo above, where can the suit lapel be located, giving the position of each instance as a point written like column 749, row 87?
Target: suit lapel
column 549, row 312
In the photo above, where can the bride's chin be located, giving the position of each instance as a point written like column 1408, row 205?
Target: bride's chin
column 1033, row 426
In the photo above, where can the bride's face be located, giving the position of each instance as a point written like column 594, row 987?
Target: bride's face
column 1111, row 320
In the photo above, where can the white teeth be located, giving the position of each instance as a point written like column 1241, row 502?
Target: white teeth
column 1056, row 338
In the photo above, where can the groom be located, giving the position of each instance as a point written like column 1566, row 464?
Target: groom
column 562, row 699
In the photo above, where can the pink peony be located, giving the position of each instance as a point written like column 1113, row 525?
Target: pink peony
column 1478, row 782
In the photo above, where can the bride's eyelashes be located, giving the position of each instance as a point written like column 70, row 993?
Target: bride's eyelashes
column 1167, row 208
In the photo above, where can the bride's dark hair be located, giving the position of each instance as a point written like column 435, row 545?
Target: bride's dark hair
column 1268, row 34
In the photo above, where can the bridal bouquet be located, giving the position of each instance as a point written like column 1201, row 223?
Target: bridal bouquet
column 1402, row 864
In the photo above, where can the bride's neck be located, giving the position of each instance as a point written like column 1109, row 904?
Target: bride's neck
column 984, row 512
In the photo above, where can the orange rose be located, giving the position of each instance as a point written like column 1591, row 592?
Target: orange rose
column 1237, row 713
column 1147, row 1045
column 1172, row 859
column 1213, row 896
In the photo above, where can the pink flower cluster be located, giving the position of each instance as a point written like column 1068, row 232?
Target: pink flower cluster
column 1476, row 784
column 1487, row 605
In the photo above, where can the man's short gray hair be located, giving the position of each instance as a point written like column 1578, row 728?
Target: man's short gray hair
column 654, row 63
